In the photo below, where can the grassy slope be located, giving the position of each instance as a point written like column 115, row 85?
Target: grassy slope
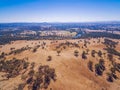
column 72, row 72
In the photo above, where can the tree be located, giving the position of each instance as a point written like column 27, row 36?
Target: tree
column 109, row 77
column 90, row 65
column 84, row 55
column 21, row 86
column 58, row 52
column 12, row 49
column 99, row 68
column 2, row 55
column 87, row 50
column 32, row 65
column 64, row 47
column 41, row 78
column 49, row 58
column 99, row 53
column 12, row 68
column 93, row 53
column 110, row 57
column 101, row 62
column 76, row 53
column 109, row 43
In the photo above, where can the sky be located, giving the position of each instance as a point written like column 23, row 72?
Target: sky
column 59, row 10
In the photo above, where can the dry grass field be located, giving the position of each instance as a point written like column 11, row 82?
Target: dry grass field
column 80, row 64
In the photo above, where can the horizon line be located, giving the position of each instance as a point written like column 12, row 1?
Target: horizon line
column 63, row 21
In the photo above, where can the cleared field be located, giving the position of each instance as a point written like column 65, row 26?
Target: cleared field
column 58, row 33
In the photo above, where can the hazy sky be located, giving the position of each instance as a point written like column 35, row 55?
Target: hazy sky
column 59, row 10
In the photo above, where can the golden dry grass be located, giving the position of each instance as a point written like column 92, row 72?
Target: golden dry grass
column 72, row 72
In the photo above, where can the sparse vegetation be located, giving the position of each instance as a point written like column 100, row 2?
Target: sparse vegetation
column 37, row 75
column 18, row 51
column 39, row 79
column 35, row 48
column 109, row 43
column 13, row 68
column 112, row 51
